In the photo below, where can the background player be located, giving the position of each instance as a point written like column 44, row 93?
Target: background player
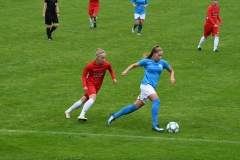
column 93, row 8
column 154, row 66
column 92, row 79
column 211, row 25
column 139, row 14
column 51, row 14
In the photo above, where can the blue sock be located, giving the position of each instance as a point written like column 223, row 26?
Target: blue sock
column 139, row 28
column 135, row 25
column 155, row 107
column 125, row 110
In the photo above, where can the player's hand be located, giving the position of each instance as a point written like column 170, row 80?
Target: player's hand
column 124, row 73
column 222, row 23
column 115, row 81
column 134, row 5
column 145, row 6
column 43, row 15
column 172, row 80
column 215, row 26
column 85, row 89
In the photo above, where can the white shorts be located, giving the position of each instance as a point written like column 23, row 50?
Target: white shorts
column 139, row 16
column 146, row 90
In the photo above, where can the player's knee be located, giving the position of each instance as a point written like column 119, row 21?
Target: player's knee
column 156, row 101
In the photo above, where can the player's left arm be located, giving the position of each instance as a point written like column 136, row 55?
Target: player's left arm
column 172, row 79
column 57, row 10
column 111, row 71
column 146, row 4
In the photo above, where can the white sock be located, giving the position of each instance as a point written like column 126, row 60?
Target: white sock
column 86, row 106
column 201, row 42
column 216, row 40
column 91, row 22
column 75, row 106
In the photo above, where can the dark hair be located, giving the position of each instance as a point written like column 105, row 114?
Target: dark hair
column 155, row 49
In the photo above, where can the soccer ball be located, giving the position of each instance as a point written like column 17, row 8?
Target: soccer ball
column 172, row 127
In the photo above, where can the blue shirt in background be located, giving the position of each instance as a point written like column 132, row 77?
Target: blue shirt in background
column 140, row 6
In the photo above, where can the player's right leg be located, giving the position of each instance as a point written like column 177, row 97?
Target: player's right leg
column 126, row 110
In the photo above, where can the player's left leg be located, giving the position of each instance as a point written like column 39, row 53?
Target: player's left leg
column 126, row 110
column 142, row 17
column 92, row 92
column 137, row 19
column 215, row 43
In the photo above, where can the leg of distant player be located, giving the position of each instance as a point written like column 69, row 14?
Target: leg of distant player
column 201, row 43
column 140, row 26
column 137, row 19
column 48, row 31
column 95, row 21
column 53, row 28
column 91, row 21
column 216, row 40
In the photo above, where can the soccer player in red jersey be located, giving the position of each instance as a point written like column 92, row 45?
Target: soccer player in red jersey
column 93, row 8
column 92, row 79
column 211, row 25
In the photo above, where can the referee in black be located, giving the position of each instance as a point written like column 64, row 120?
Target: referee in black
column 51, row 14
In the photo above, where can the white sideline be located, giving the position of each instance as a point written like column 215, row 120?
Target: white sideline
column 117, row 135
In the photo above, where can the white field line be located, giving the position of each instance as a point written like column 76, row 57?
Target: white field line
column 118, row 135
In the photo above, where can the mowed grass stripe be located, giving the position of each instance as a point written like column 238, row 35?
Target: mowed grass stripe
column 119, row 136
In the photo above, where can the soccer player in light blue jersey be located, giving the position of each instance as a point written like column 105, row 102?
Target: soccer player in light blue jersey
column 139, row 14
column 154, row 65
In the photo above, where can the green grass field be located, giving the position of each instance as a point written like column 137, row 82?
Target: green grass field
column 40, row 79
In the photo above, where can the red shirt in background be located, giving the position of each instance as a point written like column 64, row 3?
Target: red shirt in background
column 213, row 15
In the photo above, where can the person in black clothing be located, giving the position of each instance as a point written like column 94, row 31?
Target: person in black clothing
column 51, row 14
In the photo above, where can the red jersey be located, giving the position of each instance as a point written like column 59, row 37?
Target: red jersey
column 92, row 1
column 213, row 15
column 93, row 74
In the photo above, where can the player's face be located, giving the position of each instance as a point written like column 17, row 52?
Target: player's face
column 101, row 58
column 215, row 2
column 157, row 56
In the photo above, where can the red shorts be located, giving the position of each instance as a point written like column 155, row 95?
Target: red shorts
column 91, row 90
column 93, row 8
column 209, row 28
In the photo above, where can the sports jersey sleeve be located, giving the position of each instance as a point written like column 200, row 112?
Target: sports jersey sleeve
column 142, row 62
column 111, row 71
column 85, row 74
column 166, row 65
column 146, row 2
column 209, row 15
column 218, row 17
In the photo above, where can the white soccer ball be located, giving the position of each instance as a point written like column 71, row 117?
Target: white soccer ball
column 172, row 127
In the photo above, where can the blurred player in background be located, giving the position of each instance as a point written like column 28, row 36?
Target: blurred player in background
column 211, row 25
column 139, row 14
column 93, row 8
column 154, row 65
column 51, row 14
column 92, row 79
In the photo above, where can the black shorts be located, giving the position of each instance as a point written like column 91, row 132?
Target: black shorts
column 51, row 18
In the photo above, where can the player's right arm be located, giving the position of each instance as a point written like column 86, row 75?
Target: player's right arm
column 129, row 68
column 209, row 16
column 84, row 77
column 44, row 9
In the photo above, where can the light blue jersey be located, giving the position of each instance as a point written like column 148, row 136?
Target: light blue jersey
column 139, row 6
column 153, row 70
